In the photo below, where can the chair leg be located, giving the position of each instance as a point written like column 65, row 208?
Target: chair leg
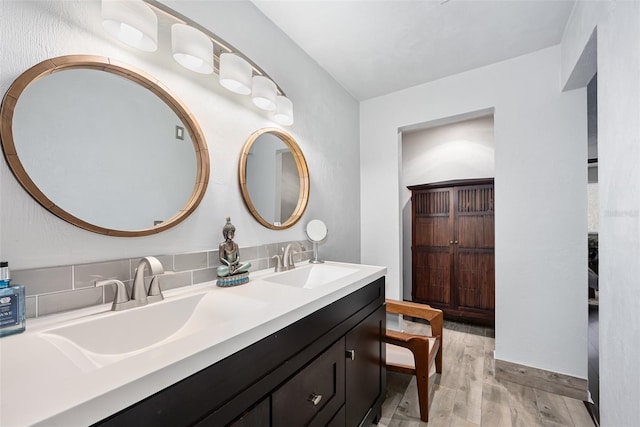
column 439, row 359
column 422, row 380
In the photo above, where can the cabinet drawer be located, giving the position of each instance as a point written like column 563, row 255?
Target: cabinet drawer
column 314, row 395
column 256, row 416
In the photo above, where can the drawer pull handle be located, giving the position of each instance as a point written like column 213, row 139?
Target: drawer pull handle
column 350, row 354
column 315, row 399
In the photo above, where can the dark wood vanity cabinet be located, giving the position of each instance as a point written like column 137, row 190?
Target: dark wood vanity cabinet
column 326, row 369
column 453, row 248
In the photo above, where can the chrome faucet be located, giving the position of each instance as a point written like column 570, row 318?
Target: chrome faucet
column 138, row 291
column 288, row 256
column 139, row 296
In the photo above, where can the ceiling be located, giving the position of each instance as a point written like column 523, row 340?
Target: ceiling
column 375, row 47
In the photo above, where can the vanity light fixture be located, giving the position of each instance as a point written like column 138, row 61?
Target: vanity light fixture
column 284, row 111
column 135, row 22
column 263, row 93
column 192, row 49
column 235, row 73
column 132, row 22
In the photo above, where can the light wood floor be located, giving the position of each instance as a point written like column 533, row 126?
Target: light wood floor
column 467, row 393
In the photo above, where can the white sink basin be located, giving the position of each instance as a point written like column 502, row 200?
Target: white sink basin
column 311, row 276
column 102, row 339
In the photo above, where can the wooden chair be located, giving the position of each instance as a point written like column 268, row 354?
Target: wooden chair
column 415, row 354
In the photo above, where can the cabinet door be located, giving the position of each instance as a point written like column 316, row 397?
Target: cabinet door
column 432, row 246
column 365, row 371
column 313, row 395
column 474, row 254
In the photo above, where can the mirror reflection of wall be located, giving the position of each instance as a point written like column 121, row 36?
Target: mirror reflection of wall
column 272, row 179
column 97, row 145
column 287, row 178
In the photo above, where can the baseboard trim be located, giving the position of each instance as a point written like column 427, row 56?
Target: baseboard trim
column 553, row 382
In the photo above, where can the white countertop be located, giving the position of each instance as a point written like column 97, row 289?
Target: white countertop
column 40, row 384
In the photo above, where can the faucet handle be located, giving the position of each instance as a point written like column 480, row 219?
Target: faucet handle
column 121, row 298
column 292, row 264
column 278, row 263
column 155, row 293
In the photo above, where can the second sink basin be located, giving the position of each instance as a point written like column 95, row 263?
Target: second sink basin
column 311, row 276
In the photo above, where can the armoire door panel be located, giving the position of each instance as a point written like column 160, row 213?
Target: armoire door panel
column 475, row 231
column 432, row 276
column 436, row 202
column 475, row 199
column 475, row 280
column 432, row 231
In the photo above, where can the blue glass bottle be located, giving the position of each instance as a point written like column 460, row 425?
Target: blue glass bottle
column 12, row 300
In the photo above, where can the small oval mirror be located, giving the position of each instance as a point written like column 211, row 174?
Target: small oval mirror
column 316, row 231
column 274, row 178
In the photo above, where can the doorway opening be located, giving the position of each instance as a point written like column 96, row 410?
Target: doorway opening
column 454, row 148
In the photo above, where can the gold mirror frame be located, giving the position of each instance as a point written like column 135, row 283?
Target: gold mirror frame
column 303, row 175
column 109, row 65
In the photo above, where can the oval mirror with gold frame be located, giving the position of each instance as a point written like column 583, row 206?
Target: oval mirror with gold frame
column 274, row 178
column 100, row 175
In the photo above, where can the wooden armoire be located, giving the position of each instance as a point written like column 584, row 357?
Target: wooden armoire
column 452, row 245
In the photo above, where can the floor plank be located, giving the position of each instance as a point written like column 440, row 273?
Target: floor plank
column 467, row 394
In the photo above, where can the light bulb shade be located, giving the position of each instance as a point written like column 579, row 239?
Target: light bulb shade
column 263, row 93
column 284, row 111
column 192, row 48
column 132, row 22
column 235, row 73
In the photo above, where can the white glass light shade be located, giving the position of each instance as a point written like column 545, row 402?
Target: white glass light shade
column 132, row 22
column 192, row 48
column 235, row 73
column 263, row 93
column 284, row 111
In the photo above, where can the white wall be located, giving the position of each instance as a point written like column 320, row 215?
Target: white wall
column 541, row 202
column 618, row 65
column 460, row 150
column 326, row 128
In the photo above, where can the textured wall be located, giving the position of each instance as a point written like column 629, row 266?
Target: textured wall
column 616, row 24
column 540, row 190
column 326, row 127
